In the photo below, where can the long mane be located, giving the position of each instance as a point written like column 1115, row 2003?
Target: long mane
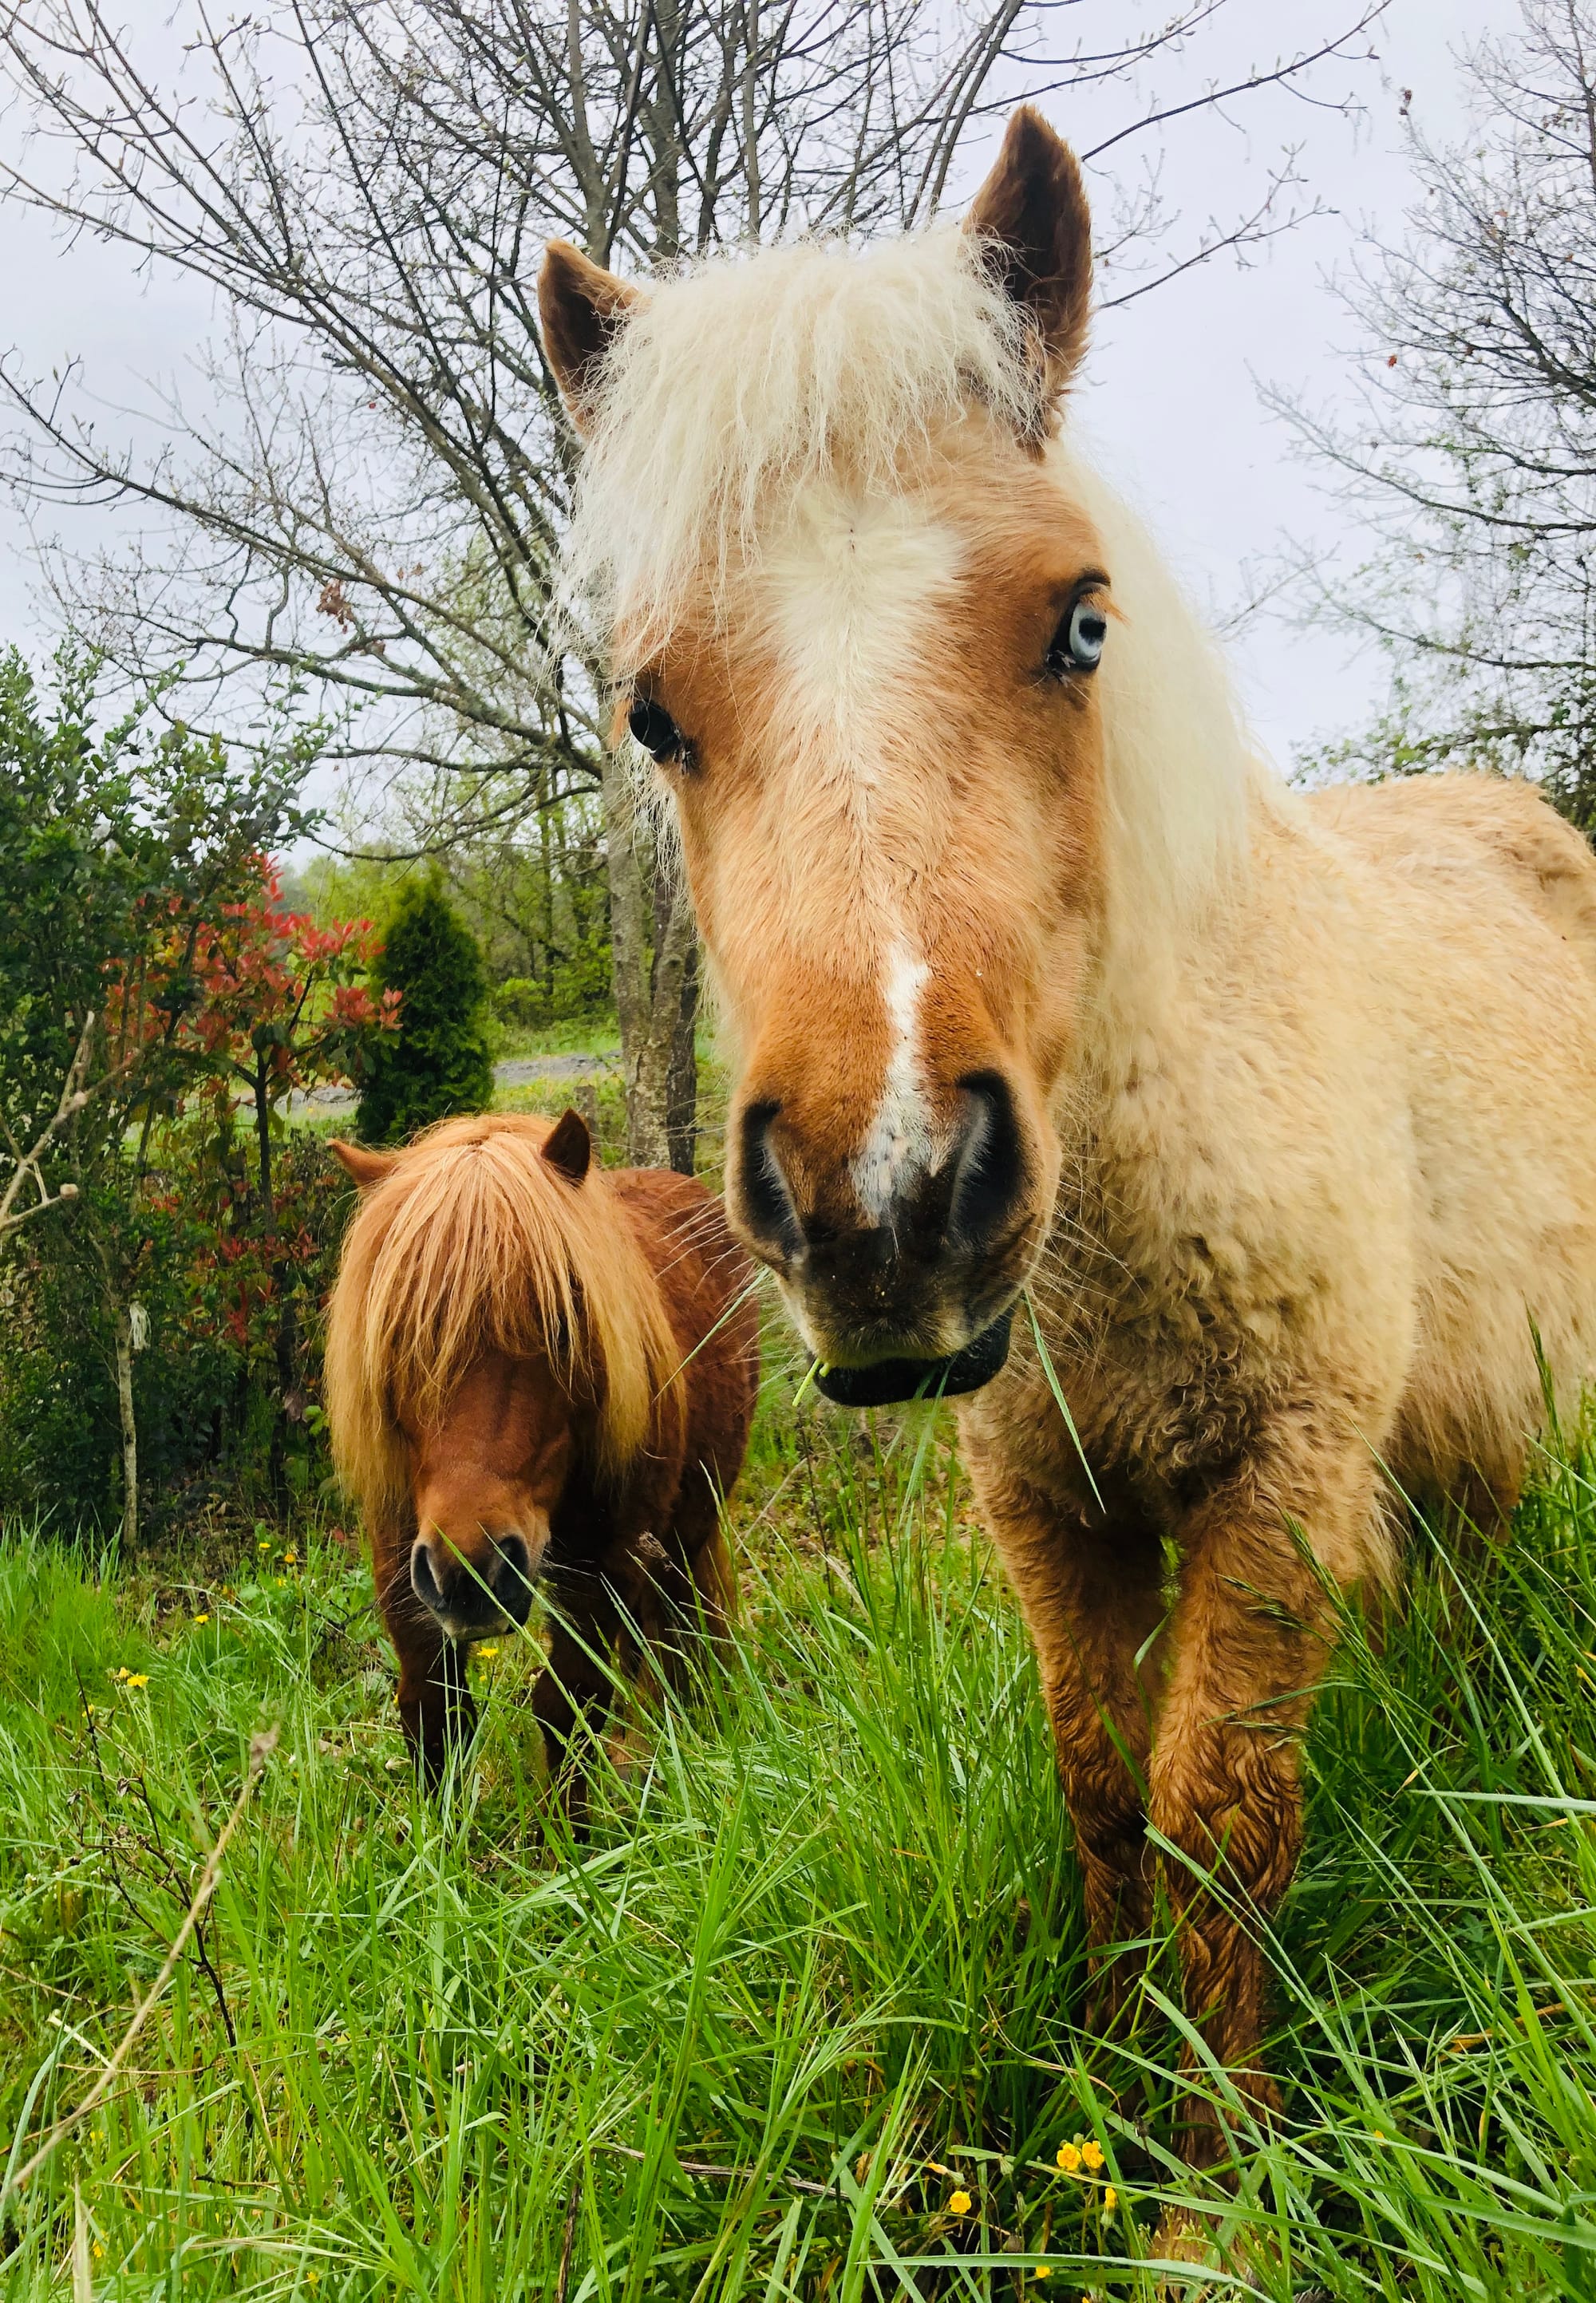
column 743, row 381
column 474, row 1242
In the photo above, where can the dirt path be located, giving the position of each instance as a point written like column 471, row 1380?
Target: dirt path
column 515, row 1071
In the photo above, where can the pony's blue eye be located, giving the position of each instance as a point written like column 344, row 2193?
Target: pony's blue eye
column 1077, row 643
column 653, row 727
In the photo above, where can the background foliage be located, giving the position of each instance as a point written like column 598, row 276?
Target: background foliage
column 437, row 1062
column 173, row 1301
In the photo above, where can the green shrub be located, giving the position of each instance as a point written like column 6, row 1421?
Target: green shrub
column 438, row 1061
column 519, row 1005
column 206, row 1380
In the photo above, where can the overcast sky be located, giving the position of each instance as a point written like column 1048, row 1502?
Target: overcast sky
column 1171, row 401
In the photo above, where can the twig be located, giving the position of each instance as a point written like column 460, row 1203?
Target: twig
column 75, row 1095
column 730, row 2174
column 260, row 1751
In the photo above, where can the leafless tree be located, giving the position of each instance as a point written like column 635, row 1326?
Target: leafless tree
column 1472, row 450
column 364, row 492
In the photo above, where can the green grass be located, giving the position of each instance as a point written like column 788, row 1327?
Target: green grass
column 586, row 1035
column 826, row 1942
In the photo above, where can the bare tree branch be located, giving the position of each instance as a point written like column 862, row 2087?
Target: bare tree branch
column 26, row 1164
column 1472, row 453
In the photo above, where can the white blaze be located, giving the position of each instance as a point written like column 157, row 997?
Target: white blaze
column 854, row 589
column 898, row 1144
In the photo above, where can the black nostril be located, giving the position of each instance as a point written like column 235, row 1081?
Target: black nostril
column 992, row 1172
column 765, row 1202
column 512, row 1578
column 424, row 1580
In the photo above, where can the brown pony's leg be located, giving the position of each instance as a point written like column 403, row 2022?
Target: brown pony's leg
column 1251, row 1638
column 1091, row 1592
column 701, row 1589
column 435, row 1702
column 572, row 1699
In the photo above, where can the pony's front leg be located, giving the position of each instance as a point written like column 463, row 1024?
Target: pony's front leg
column 434, row 1701
column 572, row 1699
column 1252, row 1637
column 1091, row 1588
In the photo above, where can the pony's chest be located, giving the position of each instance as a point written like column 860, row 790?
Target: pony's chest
column 1169, row 1342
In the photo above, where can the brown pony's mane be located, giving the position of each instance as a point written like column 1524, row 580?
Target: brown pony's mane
column 472, row 1243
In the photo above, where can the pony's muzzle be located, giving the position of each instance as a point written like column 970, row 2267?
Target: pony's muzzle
column 473, row 1594
column 914, row 1273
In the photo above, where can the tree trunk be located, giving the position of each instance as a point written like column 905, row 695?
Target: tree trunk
column 655, row 1007
column 681, row 1068
column 130, row 1429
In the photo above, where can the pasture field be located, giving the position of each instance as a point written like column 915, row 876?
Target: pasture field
column 799, row 2020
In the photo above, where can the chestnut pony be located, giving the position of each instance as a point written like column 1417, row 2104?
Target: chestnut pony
column 1282, row 1108
column 538, row 1373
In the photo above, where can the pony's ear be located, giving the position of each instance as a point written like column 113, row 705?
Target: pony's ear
column 367, row 1169
column 1032, row 216
column 568, row 1147
column 583, row 309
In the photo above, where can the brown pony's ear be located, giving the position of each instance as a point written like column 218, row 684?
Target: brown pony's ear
column 367, row 1169
column 1032, row 215
column 583, row 309
column 568, row 1147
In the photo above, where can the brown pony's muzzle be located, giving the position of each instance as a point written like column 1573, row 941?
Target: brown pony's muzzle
column 915, row 1294
column 473, row 1592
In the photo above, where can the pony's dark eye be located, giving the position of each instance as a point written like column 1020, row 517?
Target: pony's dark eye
column 653, row 727
column 1077, row 643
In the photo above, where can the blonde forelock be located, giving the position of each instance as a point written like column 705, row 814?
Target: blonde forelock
column 746, row 377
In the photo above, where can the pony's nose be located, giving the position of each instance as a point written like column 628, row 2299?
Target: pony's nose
column 472, row 1597
column 883, row 1255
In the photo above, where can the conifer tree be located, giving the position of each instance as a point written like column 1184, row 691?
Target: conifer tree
column 437, row 1062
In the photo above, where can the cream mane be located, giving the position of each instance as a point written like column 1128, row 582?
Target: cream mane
column 743, row 381
column 473, row 1243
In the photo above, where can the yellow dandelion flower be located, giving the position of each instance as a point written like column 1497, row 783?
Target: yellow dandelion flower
column 1042, row 2271
column 121, row 1672
column 98, row 2249
column 137, row 1678
column 291, row 1558
column 488, row 1647
column 1092, row 2155
column 1070, row 2158
column 959, row 2204
column 1111, row 2200
column 281, row 1582
column 202, row 1619
column 265, row 1544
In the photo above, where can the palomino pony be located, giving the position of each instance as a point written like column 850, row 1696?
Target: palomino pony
column 538, row 1372
column 1283, row 1109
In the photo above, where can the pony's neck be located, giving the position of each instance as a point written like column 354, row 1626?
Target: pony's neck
column 1183, row 783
